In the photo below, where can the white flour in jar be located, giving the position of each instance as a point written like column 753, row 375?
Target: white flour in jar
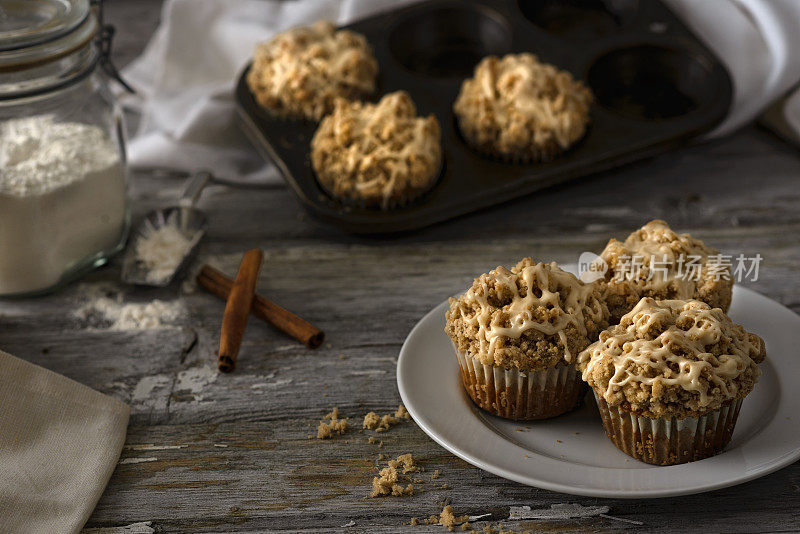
column 62, row 199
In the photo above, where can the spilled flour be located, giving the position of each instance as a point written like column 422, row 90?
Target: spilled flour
column 105, row 309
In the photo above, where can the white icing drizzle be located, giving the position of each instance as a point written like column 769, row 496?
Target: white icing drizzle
column 378, row 146
column 637, row 358
column 517, row 315
column 657, row 242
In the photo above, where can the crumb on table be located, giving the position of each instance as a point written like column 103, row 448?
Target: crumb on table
column 447, row 518
column 373, row 421
column 388, row 480
column 335, row 426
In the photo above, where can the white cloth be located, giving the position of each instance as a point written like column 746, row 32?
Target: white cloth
column 59, row 444
column 188, row 71
column 757, row 41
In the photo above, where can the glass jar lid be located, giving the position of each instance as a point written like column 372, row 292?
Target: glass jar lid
column 38, row 31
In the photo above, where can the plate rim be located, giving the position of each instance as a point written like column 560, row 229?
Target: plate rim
column 774, row 464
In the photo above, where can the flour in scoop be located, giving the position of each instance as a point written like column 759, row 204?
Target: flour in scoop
column 162, row 250
column 62, row 199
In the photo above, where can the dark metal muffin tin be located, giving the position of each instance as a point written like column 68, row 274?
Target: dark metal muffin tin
column 656, row 86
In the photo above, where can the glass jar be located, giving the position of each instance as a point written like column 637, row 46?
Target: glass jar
column 63, row 194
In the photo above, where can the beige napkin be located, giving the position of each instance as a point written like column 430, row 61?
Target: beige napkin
column 59, row 444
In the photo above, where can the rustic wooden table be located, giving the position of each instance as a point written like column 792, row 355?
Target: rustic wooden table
column 231, row 453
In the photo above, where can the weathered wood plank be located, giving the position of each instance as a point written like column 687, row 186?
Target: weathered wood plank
column 749, row 179
column 211, row 453
column 256, row 413
column 366, row 297
column 272, row 477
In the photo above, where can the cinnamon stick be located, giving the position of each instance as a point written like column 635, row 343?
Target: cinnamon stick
column 282, row 319
column 237, row 309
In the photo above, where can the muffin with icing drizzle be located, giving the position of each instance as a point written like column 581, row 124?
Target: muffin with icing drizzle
column 670, row 379
column 517, row 334
column 656, row 262
column 377, row 155
column 520, row 109
column 300, row 72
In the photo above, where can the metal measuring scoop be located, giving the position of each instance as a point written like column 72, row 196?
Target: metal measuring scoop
column 184, row 217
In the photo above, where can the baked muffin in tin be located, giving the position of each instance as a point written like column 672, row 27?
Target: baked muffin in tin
column 377, row 155
column 519, row 109
column 300, row 72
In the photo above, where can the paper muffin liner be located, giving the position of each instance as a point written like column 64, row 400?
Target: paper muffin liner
column 521, row 395
column 669, row 441
column 536, row 154
column 277, row 114
column 397, row 201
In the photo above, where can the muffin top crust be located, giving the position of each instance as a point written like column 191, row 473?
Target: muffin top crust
column 656, row 242
column 654, row 261
column 377, row 153
column 300, row 72
column 673, row 358
column 516, row 102
column 531, row 317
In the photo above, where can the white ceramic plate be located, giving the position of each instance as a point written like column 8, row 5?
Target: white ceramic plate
column 572, row 454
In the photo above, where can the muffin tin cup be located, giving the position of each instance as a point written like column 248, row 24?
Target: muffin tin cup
column 655, row 84
column 398, row 202
column 518, row 395
column 542, row 154
column 669, row 441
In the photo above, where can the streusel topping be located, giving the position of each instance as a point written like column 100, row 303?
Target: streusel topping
column 376, row 153
column 531, row 317
column 673, row 358
column 301, row 71
column 516, row 102
column 654, row 261
column 656, row 242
